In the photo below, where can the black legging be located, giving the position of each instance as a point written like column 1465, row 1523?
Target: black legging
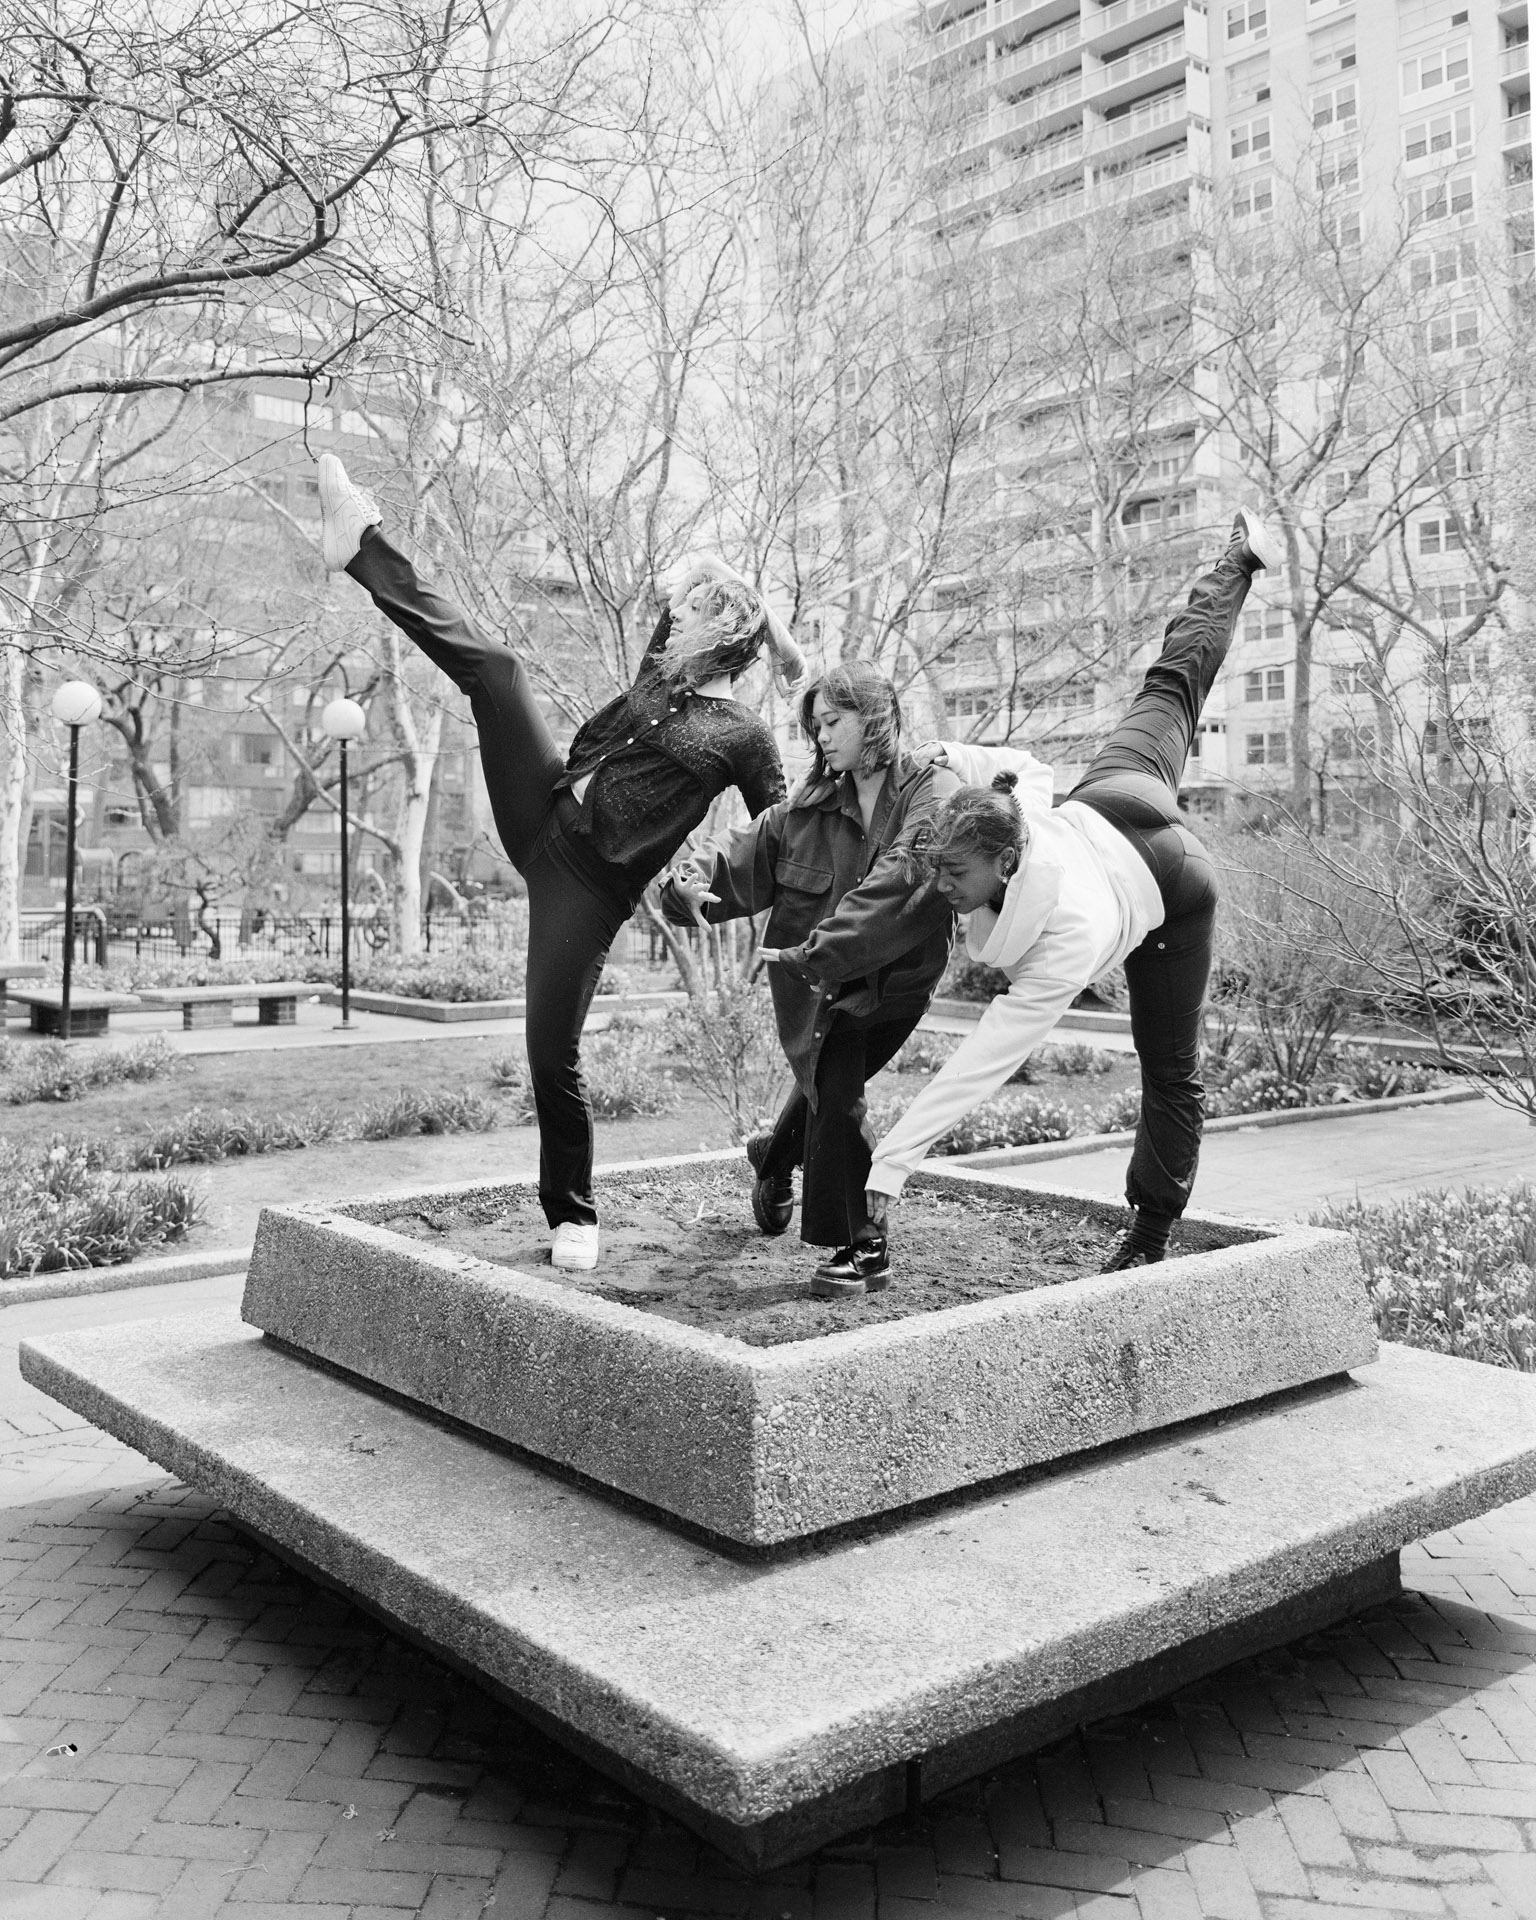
column 1134, row 782
column 832, row 1141
column 571, row 921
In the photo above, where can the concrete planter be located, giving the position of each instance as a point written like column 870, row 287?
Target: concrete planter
column 763, row 1446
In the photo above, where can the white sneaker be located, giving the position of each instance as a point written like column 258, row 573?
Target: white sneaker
column 1260, row 543
column 345, row 510
column 575, row 1245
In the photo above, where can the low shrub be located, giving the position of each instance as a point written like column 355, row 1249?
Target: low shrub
column 494, row 974
column 968, row 979
column 924, row 1052
column 1452, row 1272
column 53, row 1070
column 407, row 1111
column 1009, row 1120
column 1073, row 1058
column 1119, row 1115
column 200, row 1138
column 61, row 1207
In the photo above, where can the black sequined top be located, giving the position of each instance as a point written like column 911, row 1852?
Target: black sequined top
column 658, row 755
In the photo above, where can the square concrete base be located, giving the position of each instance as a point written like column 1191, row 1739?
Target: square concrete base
column 777, row 1705
column 767, row 1445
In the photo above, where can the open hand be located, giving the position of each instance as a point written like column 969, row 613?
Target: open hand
column 878, row 1207
column 691, row 885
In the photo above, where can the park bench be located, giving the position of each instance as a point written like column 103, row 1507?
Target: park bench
column 276, row 1002
column 89, row 1008
column 17, row 970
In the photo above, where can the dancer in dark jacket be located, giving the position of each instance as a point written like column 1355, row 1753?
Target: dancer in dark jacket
column 588, row 830
column 800, row 861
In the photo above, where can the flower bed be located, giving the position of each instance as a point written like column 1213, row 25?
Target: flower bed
column 1452, row 1272
column 64, row 1206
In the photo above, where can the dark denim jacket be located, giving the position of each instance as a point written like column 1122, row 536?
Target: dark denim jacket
column 808, row 859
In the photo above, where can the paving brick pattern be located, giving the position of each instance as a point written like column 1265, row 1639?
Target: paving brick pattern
column 187, row 1728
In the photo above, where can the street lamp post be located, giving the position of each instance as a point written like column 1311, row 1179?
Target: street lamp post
column 75, row 705
column 344, row 721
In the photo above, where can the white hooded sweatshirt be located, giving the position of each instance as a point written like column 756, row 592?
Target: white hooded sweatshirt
column 1081, row 901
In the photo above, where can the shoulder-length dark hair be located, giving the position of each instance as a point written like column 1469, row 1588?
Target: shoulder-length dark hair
column 855, row 687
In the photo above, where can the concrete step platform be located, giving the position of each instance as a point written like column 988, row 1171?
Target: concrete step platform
column 775, row 1706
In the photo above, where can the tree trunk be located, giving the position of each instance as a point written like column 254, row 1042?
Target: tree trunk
column 418, row 769
column 14, row 810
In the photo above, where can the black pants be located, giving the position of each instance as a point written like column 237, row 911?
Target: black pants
column 1134, row 782
column 571, row 921
column 833, row 1141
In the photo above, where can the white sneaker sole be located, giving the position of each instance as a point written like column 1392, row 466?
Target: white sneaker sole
column 1263, row 544
column 345, row 513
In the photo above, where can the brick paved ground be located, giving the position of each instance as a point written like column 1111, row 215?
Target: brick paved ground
column 187, row 1729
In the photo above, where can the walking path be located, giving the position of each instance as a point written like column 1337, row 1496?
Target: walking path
column 1285, row 1173
column 187, row 1729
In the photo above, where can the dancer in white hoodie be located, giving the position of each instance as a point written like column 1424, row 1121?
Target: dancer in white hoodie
column 1057, row 897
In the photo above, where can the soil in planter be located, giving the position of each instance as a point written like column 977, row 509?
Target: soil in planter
column 687, row 1248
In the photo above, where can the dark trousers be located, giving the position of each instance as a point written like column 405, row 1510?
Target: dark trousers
column 833, row 1141
column 571, row 922
column 1134, row 782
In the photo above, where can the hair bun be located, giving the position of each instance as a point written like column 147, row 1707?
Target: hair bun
column 1005, row 782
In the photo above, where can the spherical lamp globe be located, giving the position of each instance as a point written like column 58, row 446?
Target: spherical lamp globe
column 344, row 720
column 76, row 704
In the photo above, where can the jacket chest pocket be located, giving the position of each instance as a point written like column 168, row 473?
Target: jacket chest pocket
column 802, row 893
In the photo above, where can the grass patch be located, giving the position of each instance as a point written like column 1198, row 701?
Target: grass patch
column 62, row 1207
column 1452, row 1272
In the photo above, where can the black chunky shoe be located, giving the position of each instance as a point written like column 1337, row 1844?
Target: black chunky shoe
column 864, row 1267
column 773, row 1194
column 1127, row 1255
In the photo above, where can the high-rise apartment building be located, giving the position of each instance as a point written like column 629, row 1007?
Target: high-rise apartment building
column 1192, row 124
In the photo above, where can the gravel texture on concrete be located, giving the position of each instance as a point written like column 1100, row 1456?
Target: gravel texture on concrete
column 763, row 1445
column 742, row 1693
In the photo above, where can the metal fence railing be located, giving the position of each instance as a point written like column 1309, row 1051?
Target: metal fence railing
column 105, row 938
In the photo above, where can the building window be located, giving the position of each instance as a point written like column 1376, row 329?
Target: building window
column 1339, row 486
column 1265, row 749
column 1250, row 139
column 290, row 413
column 1342, row 230
column 1252, row 197
column 1446, row 70
column 1443, row 266
column 1458, row 600
column 1335, row 109
column 1352, row 743
column 1449, row 332
column 1442, row 135
column 1264, row 623
column 1442, row 535
column 257, row 750
column 1248, row 20
column 1264, row 683
column 1339, row 170
column 968, row 701
column 1439, row 200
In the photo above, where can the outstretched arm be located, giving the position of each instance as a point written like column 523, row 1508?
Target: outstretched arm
column 892, row 909
column 1056, row 970
column 976, row 766
column 739, row 877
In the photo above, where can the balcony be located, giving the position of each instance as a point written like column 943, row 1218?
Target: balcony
column 1122, row 78
column 1129, row 20
column 1039, row 110
column 1035, row 57
column 1517, row 130
column 1515, row 62
column 959, row 32
column 1030, row 15
column 1144, row 126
